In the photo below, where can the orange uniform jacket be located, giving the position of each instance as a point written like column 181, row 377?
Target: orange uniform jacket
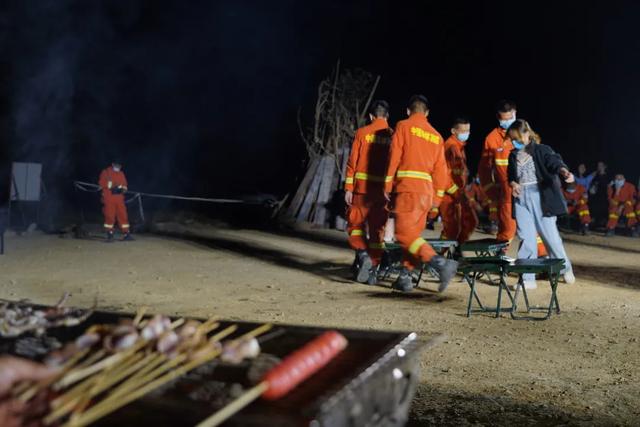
column 578, row 197
column 368, row 160
column 457, row 163
column 111, row 179
column 626, row 195
column 416, row 162
column 492, row 169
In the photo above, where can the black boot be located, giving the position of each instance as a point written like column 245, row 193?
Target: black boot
column 128, row 237
column 610, row 232
column 585, row 230
column 373, row 276
column 446, row 268
column 635, row 232
column 364, row 265
column 109, row 236
column 403, row 283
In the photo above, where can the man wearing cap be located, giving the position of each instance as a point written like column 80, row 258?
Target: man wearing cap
column 113, row 184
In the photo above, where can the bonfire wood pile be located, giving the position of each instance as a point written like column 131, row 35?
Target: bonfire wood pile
column 342, row 101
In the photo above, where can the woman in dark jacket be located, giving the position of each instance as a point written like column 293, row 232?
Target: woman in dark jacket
column 534, row 171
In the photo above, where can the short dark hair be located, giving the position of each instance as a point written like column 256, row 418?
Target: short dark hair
column 505, row 105
column 418, row 103
column 460, row 121
column 379, row 108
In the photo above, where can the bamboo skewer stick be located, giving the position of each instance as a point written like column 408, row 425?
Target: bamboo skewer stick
column 116, row 401
column 168, row 364
column 107, row 406
column 34, row 389
column 245, row 399
column 139, row 315
column 75, row 376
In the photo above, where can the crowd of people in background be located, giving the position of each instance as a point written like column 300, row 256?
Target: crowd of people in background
column 597, row 200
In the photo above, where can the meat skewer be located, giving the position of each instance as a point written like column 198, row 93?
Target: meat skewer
column 284, row 377
column 122, row 398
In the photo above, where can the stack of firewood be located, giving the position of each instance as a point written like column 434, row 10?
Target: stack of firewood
column 341, row 106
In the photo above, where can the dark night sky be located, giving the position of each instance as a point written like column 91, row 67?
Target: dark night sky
column 200, row 97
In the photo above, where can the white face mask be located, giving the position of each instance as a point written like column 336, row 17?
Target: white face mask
column 618, row 183
column 116, row 168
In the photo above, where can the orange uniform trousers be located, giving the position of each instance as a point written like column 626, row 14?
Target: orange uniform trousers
column 493, row 194
column 114, row 209
column 621, row 208
column 411, row 211
column 582, row 210
column 459, row 219
column 366, row 218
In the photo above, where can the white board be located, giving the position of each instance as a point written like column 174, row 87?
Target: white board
column 26, row 181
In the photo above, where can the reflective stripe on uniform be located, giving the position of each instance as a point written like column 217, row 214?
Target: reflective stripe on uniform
column 366, row 177
column 108, row 225
column 631, row 215
column 416, row 245
column 434, row 209
column 125, row 225
column 493, row 209
column 414, row 174
column 502, row 162
column 452, row 189
column 613, row 216
column 583, row 213
column 376, row 245
column 440, row 193
column 457, row 171
column 356, row 232
column 539, row 239
column 349, row 180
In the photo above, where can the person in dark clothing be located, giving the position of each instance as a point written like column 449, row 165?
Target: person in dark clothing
column 598, row 197
column 533, row 173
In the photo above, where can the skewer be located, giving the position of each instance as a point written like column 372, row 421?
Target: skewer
column 139, row 315
column 140, row 380
column 283, row 378
column 79, row 397
column 26, row 395
column 116, row 401
column 80, row 374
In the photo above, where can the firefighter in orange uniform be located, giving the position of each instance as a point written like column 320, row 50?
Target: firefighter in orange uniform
column 458, row 217
column 113, row 184
column 622, row 196
column 364, row 182
column 493, row 170
column 577, row 203
column 417, row 171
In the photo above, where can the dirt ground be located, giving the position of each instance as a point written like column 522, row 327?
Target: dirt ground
column 579, row 368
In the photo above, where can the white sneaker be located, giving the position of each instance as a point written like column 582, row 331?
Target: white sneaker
column 528, row 284
column 569, row 278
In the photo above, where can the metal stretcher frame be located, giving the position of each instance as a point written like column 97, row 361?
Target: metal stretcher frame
column 475, row 267
column 445, row 247
column 485, row 248
column 553, row 268
column 472, row 268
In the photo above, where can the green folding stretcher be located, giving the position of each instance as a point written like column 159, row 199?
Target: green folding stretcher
column 392, row 258
column 553, row 268
column 473, row 268
column 485, row 248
